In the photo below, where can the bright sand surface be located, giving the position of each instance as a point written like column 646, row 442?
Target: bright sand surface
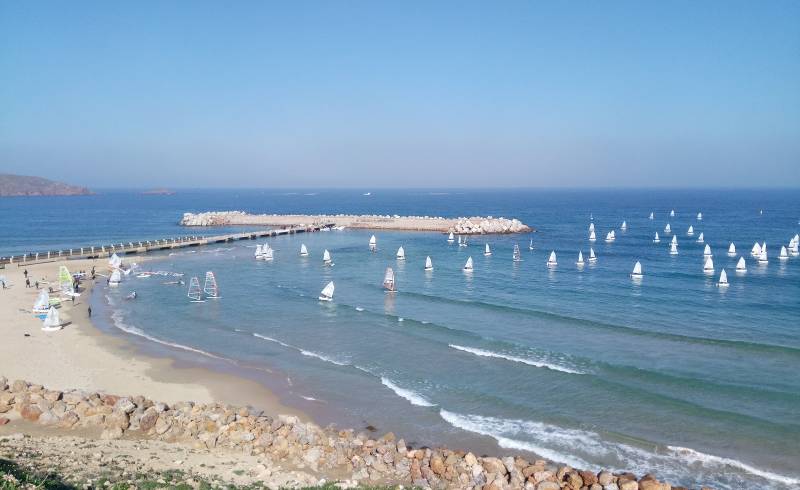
column 82, row 357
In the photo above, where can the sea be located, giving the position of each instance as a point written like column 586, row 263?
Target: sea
column 669, row 374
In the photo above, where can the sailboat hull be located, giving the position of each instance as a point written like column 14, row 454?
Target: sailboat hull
column 325, row 298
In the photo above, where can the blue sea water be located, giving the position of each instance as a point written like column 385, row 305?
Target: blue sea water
column 670, row 374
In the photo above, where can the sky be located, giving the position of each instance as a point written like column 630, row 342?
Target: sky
column 402, row 94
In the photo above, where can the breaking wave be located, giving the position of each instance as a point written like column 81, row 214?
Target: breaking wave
column 413, row 397
column 530, row 362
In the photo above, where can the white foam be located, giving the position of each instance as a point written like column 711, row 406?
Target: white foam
column 119, row 322
column 530, row 362
column 693, row 456
column 411, row 396
column 302, row 351
column 309, row 398
column 264, row 337
column 358, row 308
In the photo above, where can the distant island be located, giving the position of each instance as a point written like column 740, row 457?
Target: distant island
column 158, row 192
column 23, row 185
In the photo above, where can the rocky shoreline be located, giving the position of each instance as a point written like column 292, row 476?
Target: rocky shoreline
column 322, row 453
column 462, row 226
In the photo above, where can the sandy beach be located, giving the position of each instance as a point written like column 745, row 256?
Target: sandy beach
column 82, row 357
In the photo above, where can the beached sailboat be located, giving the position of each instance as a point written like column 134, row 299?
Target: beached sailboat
column 741, row 266
column 756, row 250
column 708, row 266
column 516, row 255
column 592, row 256
column 592, row 236
column 428, row 263
column 723, row 279
column 652, row 216
column 468, row 265
column 690, row 231
column 552, row 262
column 732, row 250
column 52, row 321
column 707, row 251
column 656, row 239
column 673, row 248
column 327, row 292
column 580, row 261
column 637, row 270
column 115, row 278
column 667, row 229
column 388, row 281
column 784, row 255
column 42, row 304
column 303, row 250
column 373, row 244
column 450, row 238
column 672, row 213
column 699, row 216
column 487, row 251
column 624, row 226
column 762, row 257
column 326, row 258
column 401, row 254
column 611, row 236
column 701, row 238
column 210, row 286
column 530, row 245
column 195, row 294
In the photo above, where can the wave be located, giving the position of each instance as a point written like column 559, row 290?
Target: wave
column 692, row 456
column 530, row 362
column 119, row 322
column 302, row 351
column 413, row 397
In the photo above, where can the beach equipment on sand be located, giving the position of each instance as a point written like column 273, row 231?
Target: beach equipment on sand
column 428, row 263
column 708, row 266
column 741, row 266
column 656, row 239
column 487, row 251
column 450, row 238
column 195, row 293
column 673, row 248
column 592, row 256
column 701, row 238
column 53, row 321
column 210, row 286
column 552, row 262
column 115, row 278
column 388, row 281
column 303, row 250
column 42, row 304
column 373, row 244
column 327, row 292
column 516, row 255
column 723, row 279
column 326, row 258
column 401, row 254
column 468, row 265
column 580, row 262
column 690, row 231
column 707, row 251
column 732, row 250
column 637, row 270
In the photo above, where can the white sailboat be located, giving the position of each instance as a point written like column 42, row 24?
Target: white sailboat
column 624, row 226
column 115, row 278
column 530, row 245
column 656, row 239
column 699, row 216
column 741, row 266
column 723, row 279
column 210, row 285
column 516, row 255
column 52, row 322
column 428, row 263
column 673, row 248
column 637, row 270
column 327, row 292
column 552, row 262
column 672, row 213
column 388, row 281
column 462, row 243
column 326, row 258
column 42, row 304
column 707, row 251
column 401, row 254
column 487, row 251
column 667, row 229
column 303, row 250
column 762, row 257
column 580, row 261
column 373, row 244
column 732, row 250
column 701, row 238
column 195, row 294
column 756, row 250
column 259, row 252
column 784, row 255
column 708, row 266
column 675, row 239
column 468, row 265
column 450, row 238
column 591, row 226
column 592, row 236
column 652, row 216
column 690, row 231
column 611, row 236
column 592, row 256
column 794, row 250
column 114, row 262
column 268, row 253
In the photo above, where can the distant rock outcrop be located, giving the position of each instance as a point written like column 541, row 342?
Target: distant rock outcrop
column 22, row 185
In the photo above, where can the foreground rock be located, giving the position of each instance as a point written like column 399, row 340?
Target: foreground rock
column 461, row 226
column 302, row 450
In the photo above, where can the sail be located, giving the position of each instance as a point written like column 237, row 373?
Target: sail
column 401, row 254
column 784, row 254
column 762, row 258
column 741, row 265
column 673, row 248
column 450, row 237
column 487, row 251
column 672, row 214
column 326, row 256
column 195, row 293
column 327, row 291
column 675, row 239
column 552, row 259
column 732, row 249
column 756, row 251
column 388, row 279
column 259, row 251
column 637, row 269
column 610, row 236
column 42, row 302
column 516, row 256
column 667, row 229
column 624, row 225
column 459, row 239
column 53, row 320
column 428, row 263
column 303, row 250
column 656, row 239
column 723, row 278
column 115, row 277
column 651, row 216
column 373, row 241
column 114, row 262
column 690, row 232
column 591, row 226
column 267, row 255
column 699, row 216
column 709, row 265
column 707, row 250
column 580, row 258
column 592, row 236
column 591, row 254
column 64, row 279
column 763, row 246
column 701, row 238
column 468, row 265
column 210, row 286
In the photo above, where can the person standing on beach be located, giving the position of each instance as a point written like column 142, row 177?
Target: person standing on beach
column 89, row 310
column 28, row 283
column 25, row 272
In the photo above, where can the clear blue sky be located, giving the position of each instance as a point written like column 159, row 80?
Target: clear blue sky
column 369, row 94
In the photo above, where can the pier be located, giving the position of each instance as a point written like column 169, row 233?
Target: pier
column 145, row 246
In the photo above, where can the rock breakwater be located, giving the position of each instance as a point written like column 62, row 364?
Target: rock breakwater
column 462, row 226
column 325, row 452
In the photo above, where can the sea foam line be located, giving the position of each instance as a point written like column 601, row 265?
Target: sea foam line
column 413, row 397
column 696, row 456
column 530, row 362
column 120, row 324
column 302, row 351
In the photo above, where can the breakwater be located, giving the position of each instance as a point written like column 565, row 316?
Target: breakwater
column 461, row 226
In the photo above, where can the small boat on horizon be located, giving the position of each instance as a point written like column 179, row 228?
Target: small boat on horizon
column 326, row 258
column 451, row 238
column 699, row 216
column 673, row 248
column 667, row 229
column 732, row 250
column 741, row 266
column 690, row 231
column 707, row 251
column 592, row 236
column 530, row 245
column 624, row 225
column 784, row 255
column 652, row 216
column 611, row 236
column 708, row 266
column 701, row 238
column 672, row 213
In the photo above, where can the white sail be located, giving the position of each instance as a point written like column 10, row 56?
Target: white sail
column 756, row 251
column 487, row 251
column 707, row 251
column 267, row 255
column 784, row 254
column 624, row 226
column 763, row 246
column 468, row 265
column 592, row 256
column 115, row 278
column 690, row 231
column 459, row 239
column 732, row 249
column 591, row 226
column 401, row 254
column 428, row 263
column 42, row 304
column 517, row 256
column 699, row 216
column 258, row 251
column 795, row 249
column 708, row 266
column 580, row 258
column 53, row 321
column 114, row 262
column 592, row 236
column 701, row 238
column 723, row 279
column 303, row 250
column 741, row 266
column 656, row 239
column 637, row 269
column 651, row 216
column 667, row 229
column 552, row 259
column 672, row 213
column 530, row 246
column 450, row 238
column 210, row 286
column 195, row 293
column 326, row 257
column 675, row 239
column 388, row 280
column 673, row 248
column 762, row 257
column 327, row 292
column 610, row 237
column 373, row 243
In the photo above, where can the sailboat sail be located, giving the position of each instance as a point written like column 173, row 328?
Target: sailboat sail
column 651, row 216
column 42, row 304
column 592, row 236
column 373, row 243
column 656, row 239
column 114, row 262
column 401, row 254
column 303, row 250
column 592, row 256
column 732, row 249
column 195, row 293
column 64, row 279
column 672, row 213
column 637, row 269
column 741, row 266
column 552, row 259
column 784, row 254
column 388, row 280
column 259, row 251
column 530, row 245
column 53, row 321
column 580, row 258
column 624, row 226
column 450, row 237
column 762, row 257
column 675, row 239
column 327, row 292
column 709, row 265
column 326, row 257
column 668, row 229
column 701, row 238
column 210, row 286
column 723, row 278
column 591, row 226
column 468, row 265
column 517, row 256
column 699, row 216
column 115, row 278
column 267, row 255
column 487, row 251
column 707, row 250
column 756, row 251
column 428, row 263
column 690, row 232
column 673, row 248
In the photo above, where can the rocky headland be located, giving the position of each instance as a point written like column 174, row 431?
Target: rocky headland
column 461, row 226
column 280, row 450
column 23, row 185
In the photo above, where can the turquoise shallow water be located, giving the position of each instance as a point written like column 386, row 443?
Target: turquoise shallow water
column 671, row 374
